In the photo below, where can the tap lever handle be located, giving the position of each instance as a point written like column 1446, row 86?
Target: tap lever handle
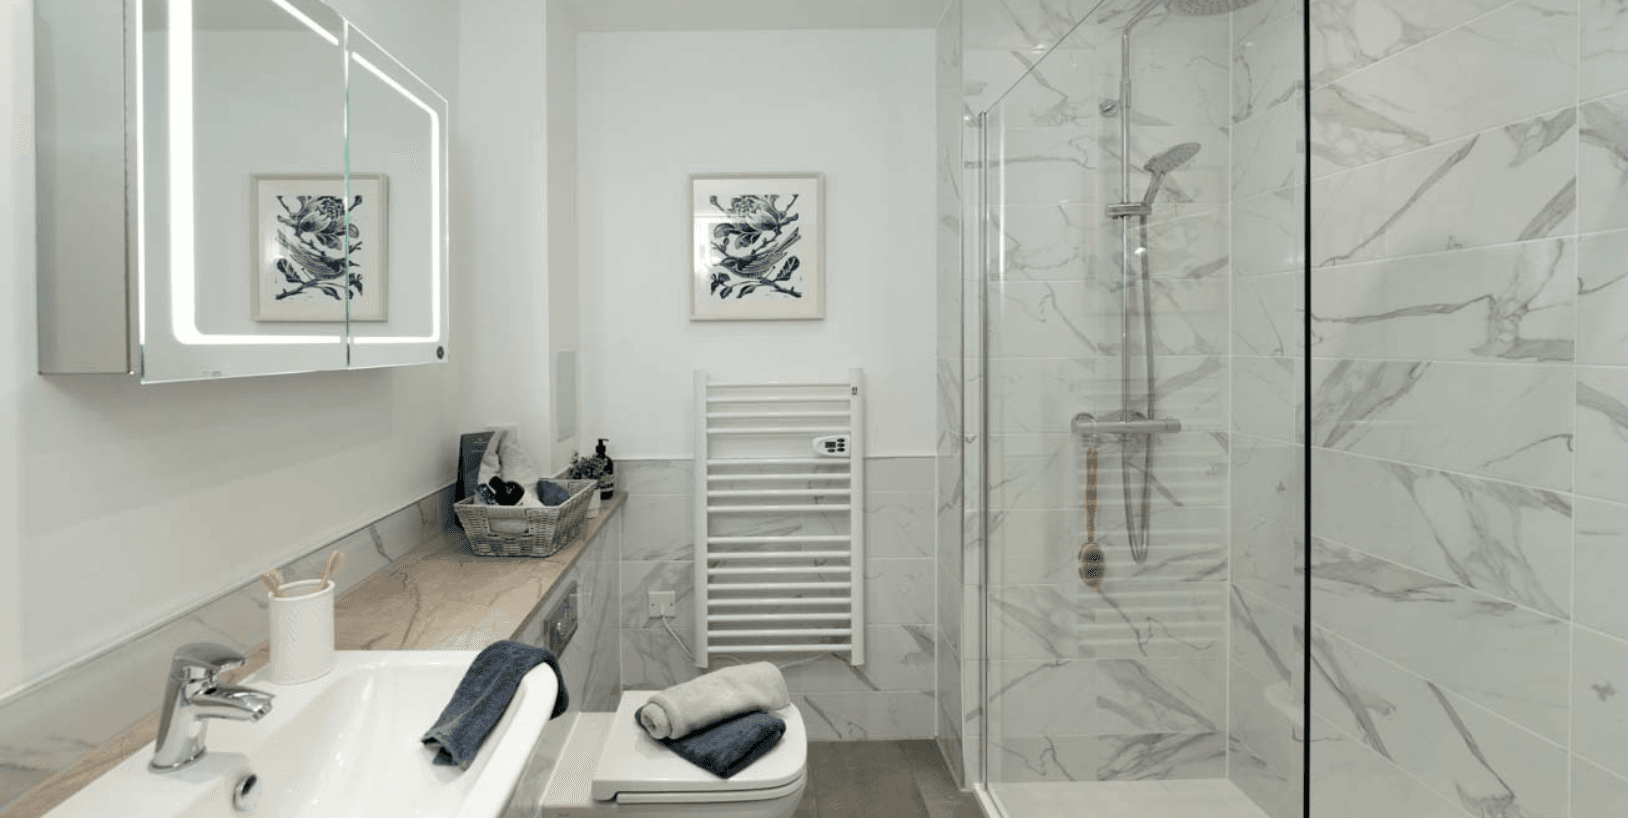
column 201, row 660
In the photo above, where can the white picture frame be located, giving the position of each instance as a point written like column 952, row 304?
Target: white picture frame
column 304, row 234
column 757, row 247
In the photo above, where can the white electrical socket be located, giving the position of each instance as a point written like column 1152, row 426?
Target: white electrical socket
column 663, row 604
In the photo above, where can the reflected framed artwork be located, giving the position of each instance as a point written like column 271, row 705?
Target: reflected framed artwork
column 315, row 246
column 757, row 247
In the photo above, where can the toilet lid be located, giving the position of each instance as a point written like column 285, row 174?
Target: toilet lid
column 633, row 762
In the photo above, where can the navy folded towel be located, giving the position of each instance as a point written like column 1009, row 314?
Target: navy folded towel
column 483, row 696
column 552, row 493
column 731, row 745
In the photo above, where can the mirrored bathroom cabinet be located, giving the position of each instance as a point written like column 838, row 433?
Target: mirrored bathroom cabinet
column 231, row 188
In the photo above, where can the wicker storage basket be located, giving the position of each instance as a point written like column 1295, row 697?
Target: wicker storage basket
column 548, row 528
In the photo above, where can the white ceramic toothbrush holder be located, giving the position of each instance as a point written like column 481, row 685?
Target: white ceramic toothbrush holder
column 302, row 631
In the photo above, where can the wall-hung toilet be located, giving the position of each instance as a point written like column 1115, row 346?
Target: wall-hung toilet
column 598, row 764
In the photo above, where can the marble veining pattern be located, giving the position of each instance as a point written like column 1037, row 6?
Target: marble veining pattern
column 1602, row 559
column 1422, row 97
column 1603, row 167
column 1506, row 303
column 1605, row 48
column 1508, row 422
column 1513, row 183
column 1602, row 432
column 1602, row 298
column 1463, row 752
column 1447, row 633
column 1599, row 709
column 1505, row 539
column 1469, row 226
column 1350, row 34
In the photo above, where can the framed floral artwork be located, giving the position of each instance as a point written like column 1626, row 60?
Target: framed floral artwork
column 317, row 245
column 757, row 247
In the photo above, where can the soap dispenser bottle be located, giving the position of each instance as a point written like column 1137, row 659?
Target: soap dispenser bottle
column 607, row 483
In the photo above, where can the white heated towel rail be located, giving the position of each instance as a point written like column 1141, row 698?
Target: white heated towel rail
column 779, row 517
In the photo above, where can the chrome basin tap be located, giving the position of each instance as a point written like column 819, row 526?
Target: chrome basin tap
column 192, row 695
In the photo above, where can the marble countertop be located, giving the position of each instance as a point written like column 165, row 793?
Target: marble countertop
column 440, row 596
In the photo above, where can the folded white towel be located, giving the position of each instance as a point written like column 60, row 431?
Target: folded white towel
column 684, row 708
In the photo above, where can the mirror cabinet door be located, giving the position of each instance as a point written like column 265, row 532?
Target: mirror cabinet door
column 397, row 210
column 243, row 217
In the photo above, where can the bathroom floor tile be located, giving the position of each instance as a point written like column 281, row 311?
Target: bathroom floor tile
column 880, row 779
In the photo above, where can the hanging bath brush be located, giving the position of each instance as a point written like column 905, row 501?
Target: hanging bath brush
column 1092, row 566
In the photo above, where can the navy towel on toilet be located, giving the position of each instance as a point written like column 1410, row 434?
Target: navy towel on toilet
column 731, row 745
column 483, row 696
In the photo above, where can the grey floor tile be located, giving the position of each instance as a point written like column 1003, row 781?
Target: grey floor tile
column 880, row 779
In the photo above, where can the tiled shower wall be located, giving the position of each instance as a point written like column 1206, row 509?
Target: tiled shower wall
column 1267, row 520
column 890, row 696
column 1470, row 414
column 1129, row 682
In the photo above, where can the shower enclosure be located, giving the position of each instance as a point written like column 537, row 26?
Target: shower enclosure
column 1132, row 266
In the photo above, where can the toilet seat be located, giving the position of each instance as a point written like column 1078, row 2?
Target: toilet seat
column 634, row 768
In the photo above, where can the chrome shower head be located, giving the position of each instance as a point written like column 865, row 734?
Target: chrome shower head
column 1172, row 158
column 1165, row 163
column 1200, row 8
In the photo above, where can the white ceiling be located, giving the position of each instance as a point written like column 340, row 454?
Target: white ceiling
column 725, row 15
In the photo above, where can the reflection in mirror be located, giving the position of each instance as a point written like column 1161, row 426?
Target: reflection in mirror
column 242, row 105
column 397, row 219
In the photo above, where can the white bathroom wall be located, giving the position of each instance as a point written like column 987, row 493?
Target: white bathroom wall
column 16, row 288
column 656, row 107
column 124, row 504
column 564, row 289
column 501, row 171
column 514, row 157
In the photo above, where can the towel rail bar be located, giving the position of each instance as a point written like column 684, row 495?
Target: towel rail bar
column 778, row 430
column 775, row 633
column 781, row 601
column 796, row 617
column 763, row 450
column 812, row 508
column 822, row 538
column 815, row 648
column 812, row 476
column 782, row 586
column 778, row 555
column 778, row 461
column 772, row 415
column 775, row 384
column 741, row 493
column 777, row 569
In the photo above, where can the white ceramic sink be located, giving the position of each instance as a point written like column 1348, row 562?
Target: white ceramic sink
column 343, row 746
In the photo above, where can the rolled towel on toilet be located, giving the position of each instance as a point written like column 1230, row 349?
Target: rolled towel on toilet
column 682, row 709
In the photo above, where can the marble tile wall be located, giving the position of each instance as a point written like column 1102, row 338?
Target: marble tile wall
column 1469, row 233
column 892, row 695
column 1265, row 720
column 48, row 725
column 1129, row 682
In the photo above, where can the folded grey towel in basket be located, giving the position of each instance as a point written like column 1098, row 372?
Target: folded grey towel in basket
column 684, row 708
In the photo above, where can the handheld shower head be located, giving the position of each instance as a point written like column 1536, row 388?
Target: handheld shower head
column 1172, row 158
column 1165, row 163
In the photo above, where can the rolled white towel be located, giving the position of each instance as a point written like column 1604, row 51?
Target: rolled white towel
column 681, row 709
